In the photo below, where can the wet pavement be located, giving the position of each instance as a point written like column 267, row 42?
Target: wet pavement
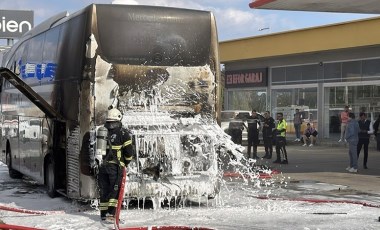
column 326, row 164
column 313, row 192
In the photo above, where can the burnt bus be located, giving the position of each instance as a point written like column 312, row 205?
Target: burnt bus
column 157, row 65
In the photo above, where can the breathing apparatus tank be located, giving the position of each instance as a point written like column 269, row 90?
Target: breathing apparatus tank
column 101, row 143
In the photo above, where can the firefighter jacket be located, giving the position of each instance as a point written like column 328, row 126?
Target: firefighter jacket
column 119, row 149
column 281, row 128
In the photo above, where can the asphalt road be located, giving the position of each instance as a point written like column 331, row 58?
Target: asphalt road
column 327, row 164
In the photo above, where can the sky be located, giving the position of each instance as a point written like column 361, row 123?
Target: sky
column 234, row 17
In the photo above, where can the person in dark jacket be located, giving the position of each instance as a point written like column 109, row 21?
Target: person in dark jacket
column 119, row 154
column 235, row 129
column 268, row 128
column 376, row 132
column 253, row 134
column 364, row 126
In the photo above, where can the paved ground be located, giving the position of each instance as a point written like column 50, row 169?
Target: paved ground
column 327, row 163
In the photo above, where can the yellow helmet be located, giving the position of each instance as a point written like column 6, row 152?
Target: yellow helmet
column 114, row 115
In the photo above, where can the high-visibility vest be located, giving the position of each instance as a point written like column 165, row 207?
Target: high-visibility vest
column 282, row 125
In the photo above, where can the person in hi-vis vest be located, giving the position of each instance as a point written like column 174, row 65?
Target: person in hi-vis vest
column 280, row 135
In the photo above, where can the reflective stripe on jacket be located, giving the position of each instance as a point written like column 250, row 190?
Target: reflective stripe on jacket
column 118, row 149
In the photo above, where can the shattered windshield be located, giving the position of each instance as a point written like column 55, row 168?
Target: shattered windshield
column 172, row 89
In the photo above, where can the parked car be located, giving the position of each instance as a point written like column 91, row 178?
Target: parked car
column 236, row 119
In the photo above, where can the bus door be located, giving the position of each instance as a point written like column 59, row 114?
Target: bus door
column 31, row 144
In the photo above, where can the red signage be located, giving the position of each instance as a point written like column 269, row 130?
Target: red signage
column 247, row 78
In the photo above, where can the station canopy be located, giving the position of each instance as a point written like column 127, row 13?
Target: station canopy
column 341, row 6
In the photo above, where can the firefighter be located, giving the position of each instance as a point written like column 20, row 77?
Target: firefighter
column 253, row 134
column 118, row 155
column 280, row 133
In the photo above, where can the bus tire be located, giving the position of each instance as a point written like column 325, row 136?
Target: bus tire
column 14, row 174
column 51, row 179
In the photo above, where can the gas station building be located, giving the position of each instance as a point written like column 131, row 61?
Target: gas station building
column 319, row 70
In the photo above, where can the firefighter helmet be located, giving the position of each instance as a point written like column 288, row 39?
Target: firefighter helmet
column 114, row 115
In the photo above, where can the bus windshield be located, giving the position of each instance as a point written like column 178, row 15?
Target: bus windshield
column 160, row 58
column 153, row 35
column 173, row 89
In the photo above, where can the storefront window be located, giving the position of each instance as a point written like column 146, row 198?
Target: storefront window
column 247, row 100
column 371, row 69
column 362, row 98
column 351, row 71
column 278, row 76
column 296, row 74
column 332, row 72
column 287, row 100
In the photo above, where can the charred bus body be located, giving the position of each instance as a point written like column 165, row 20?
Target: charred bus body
column 157, row 65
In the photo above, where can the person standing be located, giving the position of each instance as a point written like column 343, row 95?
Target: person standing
column 119, row 154
column 253, row 134
column 297, row 121
column 235, row 129
column 376, row 132
column 280, row 133
column 352, row 137
column 364, row 126
column 343, row 122
column 268, row 135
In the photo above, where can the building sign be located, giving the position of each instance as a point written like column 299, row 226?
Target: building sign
column 247, row 78
column 14, row 23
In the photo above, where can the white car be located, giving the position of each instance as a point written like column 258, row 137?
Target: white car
column 235, row 118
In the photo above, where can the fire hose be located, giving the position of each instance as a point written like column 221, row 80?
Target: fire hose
column 12, row 209
column 20, row 210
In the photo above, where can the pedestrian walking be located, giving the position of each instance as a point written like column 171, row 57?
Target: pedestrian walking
column 364, row 134
column 352, row 137
column 280, row 133
column 268, row 127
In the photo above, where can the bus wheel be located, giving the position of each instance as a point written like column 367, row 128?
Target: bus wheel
column 12, row 173
column 51, row 179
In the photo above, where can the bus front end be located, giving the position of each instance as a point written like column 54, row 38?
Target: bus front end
column 160, row 67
